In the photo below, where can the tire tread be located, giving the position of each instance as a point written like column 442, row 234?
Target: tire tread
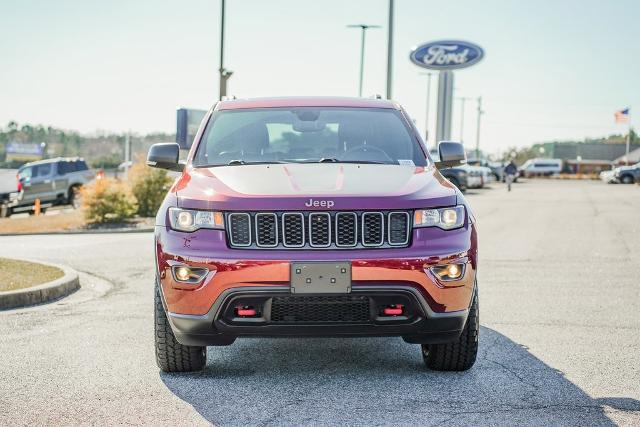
column 171, row 356
column 459, row 355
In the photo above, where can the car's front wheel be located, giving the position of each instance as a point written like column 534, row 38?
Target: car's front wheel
column 75, row 197
column 459, row 355
column 171, row 356
column 627, row 179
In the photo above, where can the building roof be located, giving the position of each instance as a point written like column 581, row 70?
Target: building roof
column 305, row 101
column 634, row 157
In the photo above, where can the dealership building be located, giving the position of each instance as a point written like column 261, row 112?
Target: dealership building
column 585, row 157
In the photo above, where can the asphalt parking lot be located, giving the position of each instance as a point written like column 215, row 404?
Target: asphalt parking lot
column 560, row 339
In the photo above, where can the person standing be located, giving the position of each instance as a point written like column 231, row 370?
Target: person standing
column 510, row 172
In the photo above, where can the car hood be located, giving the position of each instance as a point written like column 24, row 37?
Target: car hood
column 313, row 186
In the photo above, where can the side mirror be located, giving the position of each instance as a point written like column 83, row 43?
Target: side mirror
column 165, row 155
column 451, row 154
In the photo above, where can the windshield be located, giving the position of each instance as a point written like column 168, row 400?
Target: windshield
column 302, row 135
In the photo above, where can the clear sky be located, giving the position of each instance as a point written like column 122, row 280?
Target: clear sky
column 553, row 69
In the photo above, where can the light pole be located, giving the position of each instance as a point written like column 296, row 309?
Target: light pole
column 462, row 101
column 224, row 73
column 426, row 122
column 480, row 113
column 364, row 28
column 390, row 49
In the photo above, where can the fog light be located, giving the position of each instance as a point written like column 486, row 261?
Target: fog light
column 448, row 272
column 186, row 274
column 183, row 274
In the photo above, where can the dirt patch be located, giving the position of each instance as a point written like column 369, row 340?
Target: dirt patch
column 43, row 223
column 15, row 274
column 64, row 221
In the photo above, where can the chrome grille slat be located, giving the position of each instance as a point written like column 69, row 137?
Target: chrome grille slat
column 398, row 228
column 266, row 226
column 318, row 230
column 239, row 225
column 372, row 229
column 293, row 235
column 346, row 229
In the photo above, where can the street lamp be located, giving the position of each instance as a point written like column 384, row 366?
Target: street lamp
column 224, row 73
column 426, row 122
column 462, row 99
column 364, row 28
column 480, row 113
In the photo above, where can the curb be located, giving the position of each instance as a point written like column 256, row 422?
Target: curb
column 98, row 231
column 42, row 293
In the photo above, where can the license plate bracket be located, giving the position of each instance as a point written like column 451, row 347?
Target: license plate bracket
column 320, row 277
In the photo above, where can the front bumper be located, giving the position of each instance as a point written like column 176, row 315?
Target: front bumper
column 220, row 326
column 199, row 314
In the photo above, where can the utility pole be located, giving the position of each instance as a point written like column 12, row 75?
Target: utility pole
column 364, row 28
column 462, row 100
column 426, row 122
column 127, row 154
column 626, row 156
column 390, row 50
column 480, row 113
column 224, row 73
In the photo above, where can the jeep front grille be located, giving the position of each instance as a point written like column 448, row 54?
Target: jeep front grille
column 321, row 309
column 318, row 230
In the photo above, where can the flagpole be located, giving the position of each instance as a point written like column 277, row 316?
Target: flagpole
column 628, row 137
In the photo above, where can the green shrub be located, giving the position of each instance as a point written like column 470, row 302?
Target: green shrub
column 107, row 200
column 149, row 186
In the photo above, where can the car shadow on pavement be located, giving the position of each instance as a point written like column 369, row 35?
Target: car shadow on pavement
column 377, row 381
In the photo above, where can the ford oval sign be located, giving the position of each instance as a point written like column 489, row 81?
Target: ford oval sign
column 446, row 55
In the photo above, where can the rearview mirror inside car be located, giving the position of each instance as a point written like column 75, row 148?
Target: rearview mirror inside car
column 165, row 155
column 451, row 154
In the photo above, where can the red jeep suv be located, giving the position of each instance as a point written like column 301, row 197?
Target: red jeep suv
column 313, row 217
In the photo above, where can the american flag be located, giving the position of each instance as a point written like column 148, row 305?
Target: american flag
column 622, row 116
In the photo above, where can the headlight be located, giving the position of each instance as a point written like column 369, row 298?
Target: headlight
column 191, row 220
column 445, row 218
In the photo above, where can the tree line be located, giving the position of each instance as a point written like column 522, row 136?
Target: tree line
column 101, row 149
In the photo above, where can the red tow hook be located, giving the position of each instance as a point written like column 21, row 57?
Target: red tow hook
column 245, row 311
column 393, row 310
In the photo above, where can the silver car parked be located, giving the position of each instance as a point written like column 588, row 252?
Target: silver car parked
column 52, row 181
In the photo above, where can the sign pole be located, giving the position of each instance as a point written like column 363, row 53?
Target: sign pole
column 445, row 104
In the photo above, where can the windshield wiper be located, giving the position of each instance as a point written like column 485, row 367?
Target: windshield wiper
column 368, row 162
column 237, row 162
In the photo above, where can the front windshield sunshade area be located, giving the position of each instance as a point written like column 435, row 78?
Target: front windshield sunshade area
column 308, row 135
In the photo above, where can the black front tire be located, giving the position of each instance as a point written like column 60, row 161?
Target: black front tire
column 171, row 356
column 627, row 179
column 75, row 197
column 459, row 355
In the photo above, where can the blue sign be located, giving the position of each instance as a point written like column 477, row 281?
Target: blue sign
column 187, row 124
column 446, row 55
